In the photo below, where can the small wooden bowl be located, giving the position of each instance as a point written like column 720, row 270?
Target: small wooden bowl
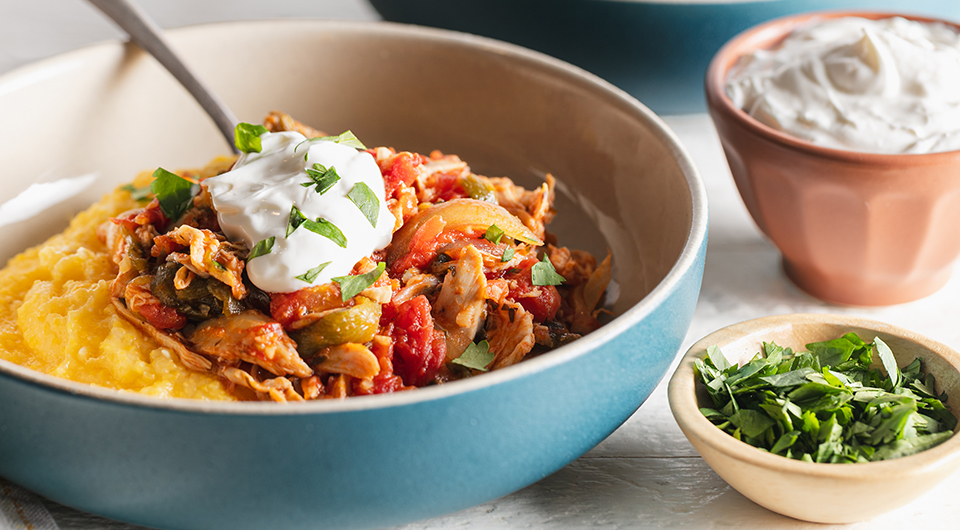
column 823, row 493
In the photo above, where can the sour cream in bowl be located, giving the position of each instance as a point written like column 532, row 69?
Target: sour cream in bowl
column 882, row 86
column 841, row 132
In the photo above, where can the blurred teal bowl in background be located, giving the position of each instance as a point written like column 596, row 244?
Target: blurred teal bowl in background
column 658, row 51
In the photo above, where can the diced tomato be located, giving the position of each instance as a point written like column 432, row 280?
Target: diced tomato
column 386, row 383
column 405, row 168
column 544, row 306
column 418, row 349
column 162, row 317
column 448, row 187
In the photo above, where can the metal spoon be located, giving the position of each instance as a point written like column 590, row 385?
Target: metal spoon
column 145, row 33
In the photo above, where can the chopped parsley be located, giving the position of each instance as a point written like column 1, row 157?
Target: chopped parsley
column 312, row 274
column 507, row 255
column 543, row 273
column 246, row 137
column 367, row 201
column 493, row 234
column 476, row 357
column 326, row 229
column 261, row 248
column 322, row 177
column 295, row 220
column 319, row 226
column 826, row 404
column 351, row 286
column 173, row 192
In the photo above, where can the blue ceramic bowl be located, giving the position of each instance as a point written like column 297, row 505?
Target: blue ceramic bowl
column 657, row 50
column 625, row 184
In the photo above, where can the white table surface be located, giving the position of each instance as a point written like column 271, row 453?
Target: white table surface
column 645, row 474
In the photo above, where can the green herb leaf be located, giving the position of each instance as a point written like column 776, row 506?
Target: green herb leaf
column 543, row 273
column 493, row 234
column 138, row 194
column 174, row 193
column 312, row 274
column 889, row 361
column 367, row 201
column 326, row 229
column 345, row 138
column 718, row 359
column 507, row 255
column 246, row 137
column 295, row 220
column 909, row 446
column 261, row 248
column 827, row 405
column 476, row 356
column 322, row 177
column 351, row 286
column 753, row 423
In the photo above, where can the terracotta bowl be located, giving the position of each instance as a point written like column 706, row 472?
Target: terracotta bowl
column 853, row 228
column 823, row 493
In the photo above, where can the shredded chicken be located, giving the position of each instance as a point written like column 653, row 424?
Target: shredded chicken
column 575, row 266
column 278, row 388
column 349, row 358
column 414, row 286
column 208, row 256
column 253, row 337
column 586, row 296
column 460, row 307
column 278, row 121
column 510, row 334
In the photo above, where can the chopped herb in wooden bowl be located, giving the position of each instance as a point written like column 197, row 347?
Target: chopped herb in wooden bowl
column 826, row 404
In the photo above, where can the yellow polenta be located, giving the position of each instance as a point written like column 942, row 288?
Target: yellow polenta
column 56, row 316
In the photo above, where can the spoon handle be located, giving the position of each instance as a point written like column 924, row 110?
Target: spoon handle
column 146, row 34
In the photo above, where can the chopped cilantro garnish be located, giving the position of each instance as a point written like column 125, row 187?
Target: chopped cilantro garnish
column 322, row 177
column 319, row 226
column 476, row 356
column 174, row 193
column 261, row 248
column 507, row 255
column 493, row 234
column 367, row 201
column 826, row 404
column 543, row 273
column 138, row 194
column 312, row 274
column 351, row 286
column 246, row 137
column 326, row 229
column 346, row 138
column 295, row 220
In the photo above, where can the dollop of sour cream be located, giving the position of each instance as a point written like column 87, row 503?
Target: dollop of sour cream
column 254, row 202
column 884, row 86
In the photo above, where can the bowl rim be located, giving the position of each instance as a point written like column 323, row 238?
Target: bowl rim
column 20, row 77
column 771, row 33
column 681, row 393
